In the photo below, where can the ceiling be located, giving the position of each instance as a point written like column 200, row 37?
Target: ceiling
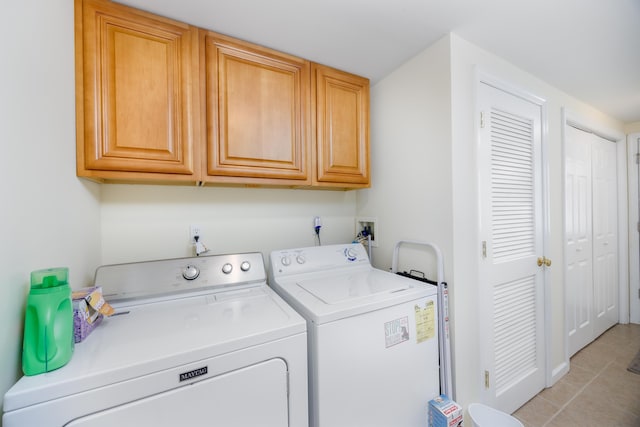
column 589, row 49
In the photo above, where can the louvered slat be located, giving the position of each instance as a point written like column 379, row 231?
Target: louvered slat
column 514, row 325
column 512, row 186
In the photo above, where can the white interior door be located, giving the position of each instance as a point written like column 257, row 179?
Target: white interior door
column 511, row 232
column 605, row 235
column 591, row 239
column 578, row 241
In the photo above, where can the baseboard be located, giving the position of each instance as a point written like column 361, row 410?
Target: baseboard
column 558, row 372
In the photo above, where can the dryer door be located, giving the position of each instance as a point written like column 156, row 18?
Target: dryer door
column 252, row 396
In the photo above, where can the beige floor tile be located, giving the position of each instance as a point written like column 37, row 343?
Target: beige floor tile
column 578, row 376
column 561, row 393
column 593, row 358
column 598, row 391
column 537, row 412
column 616, row 387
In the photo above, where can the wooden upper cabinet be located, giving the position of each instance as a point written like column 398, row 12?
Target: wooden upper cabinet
column 257, row 114
column 162, row 101
column 341, row 114
column 136, row 94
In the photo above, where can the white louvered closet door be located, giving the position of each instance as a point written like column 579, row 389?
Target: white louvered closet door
column 511, row 233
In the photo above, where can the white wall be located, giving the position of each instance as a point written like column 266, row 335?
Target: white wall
column 49, row 218
column 142, row 222
column 410, row 194
column 632, row 128
column 424, row 185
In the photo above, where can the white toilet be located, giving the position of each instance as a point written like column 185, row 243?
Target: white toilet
column 485, row 416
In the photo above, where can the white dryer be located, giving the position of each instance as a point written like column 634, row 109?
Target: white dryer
column 195, row 342
column 373, row 336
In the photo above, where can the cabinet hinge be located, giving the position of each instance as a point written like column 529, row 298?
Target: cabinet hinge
column 481, row 119
column 486, row 379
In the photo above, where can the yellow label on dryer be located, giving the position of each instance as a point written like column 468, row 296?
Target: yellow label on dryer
column 425, row 322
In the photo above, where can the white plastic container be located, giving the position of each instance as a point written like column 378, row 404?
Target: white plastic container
column 485, row 416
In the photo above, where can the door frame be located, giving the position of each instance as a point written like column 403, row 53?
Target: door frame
column 592, row 125
column 633, row 140
column 483, row 77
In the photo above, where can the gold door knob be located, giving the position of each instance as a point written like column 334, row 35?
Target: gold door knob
column 544, row 260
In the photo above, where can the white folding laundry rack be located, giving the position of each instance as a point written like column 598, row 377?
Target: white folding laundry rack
column 446, row 385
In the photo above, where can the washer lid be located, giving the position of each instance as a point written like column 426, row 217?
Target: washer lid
column 350, row 287
column 156, row 336
column 336, row 294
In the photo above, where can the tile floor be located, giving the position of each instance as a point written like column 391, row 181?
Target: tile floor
column 597, row 391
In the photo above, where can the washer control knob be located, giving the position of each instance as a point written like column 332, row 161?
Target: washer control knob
column 301, row 259
column 227, row 268
column 190, row 272
column 245, row 266
column 285, row 260
column 351, row 254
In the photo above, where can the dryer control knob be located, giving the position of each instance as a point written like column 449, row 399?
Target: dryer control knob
column 227, row 268
column 245, row 266
column 301, row 259
column 190, row 272
column 285, row 260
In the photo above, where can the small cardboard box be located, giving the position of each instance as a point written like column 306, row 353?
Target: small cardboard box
column 444, row 412
column 88, row 310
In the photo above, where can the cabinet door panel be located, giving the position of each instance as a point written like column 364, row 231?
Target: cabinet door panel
column 257, row 108
column 139, row 105
column 342, row 127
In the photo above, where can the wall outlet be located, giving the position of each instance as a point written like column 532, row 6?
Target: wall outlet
column 194, row 230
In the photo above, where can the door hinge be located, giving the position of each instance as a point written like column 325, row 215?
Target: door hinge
column 481, row 119
column 486, row 379
column 639, row 227
column 484, row 249
column 638, row 293
column 637, row 158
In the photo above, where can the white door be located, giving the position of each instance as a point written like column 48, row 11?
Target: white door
column 591, row 239
column 511, row 283
column 605, row 235
column 578, row 241
column 248, row 397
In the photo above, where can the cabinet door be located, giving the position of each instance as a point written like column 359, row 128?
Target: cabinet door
column 257, row 103
column 341, row 128
column 136, row 95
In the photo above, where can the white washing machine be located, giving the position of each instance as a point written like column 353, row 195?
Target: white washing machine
column 373, row 336
column 195, row 342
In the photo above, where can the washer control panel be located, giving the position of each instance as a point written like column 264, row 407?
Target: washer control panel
column 317, row 258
